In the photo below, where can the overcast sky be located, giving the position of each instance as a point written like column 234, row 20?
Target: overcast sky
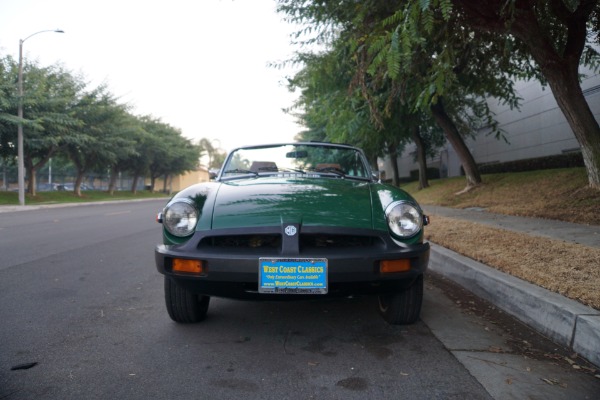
column 198, row 65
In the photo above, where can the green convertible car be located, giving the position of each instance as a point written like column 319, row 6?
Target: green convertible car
column 293, row 221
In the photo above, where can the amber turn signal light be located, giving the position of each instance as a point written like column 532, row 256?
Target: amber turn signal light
column 188, row 266
column 391, row 266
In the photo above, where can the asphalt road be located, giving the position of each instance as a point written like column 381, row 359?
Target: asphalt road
column 82, row 317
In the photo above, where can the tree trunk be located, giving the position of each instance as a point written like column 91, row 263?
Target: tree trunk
column 421, row 157
column 166, row 177
column 560, row 68
column 112, row 183
column 564, row 82
column 80, row 168
column 393, row 152
column 134, row 183
column 31, row 169
column 451, row 132
column 31, row 182
column 396, row 170
column 77, row 184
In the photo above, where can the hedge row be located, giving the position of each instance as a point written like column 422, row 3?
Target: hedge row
column 432, row 173
column 567, row 160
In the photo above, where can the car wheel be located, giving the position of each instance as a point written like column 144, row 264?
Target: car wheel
column 403, row 307
column 183, row 305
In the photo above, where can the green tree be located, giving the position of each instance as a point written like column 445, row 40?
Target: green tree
column 335, row 107
column 50, row 95
column 103, row 137
column 413, row 56
column 8, row 107
column 394, row 74
column 128, row 133
column 208, row 149
column 216, row 155
column 138, row 163
column 556, row 36
column 185, row 156
column 89, row 127
column 166, row 151
column 218, row 159
column 476, row 46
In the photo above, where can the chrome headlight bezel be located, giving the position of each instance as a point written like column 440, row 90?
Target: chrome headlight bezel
column 180, row 217
column 404, row 219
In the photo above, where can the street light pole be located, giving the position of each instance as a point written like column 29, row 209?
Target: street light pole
column 21, row 164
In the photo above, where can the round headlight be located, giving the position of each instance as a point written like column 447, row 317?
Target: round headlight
column 180, row 218
column 404, row 219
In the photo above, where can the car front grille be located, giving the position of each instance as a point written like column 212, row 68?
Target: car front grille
column 274, row 242
column 335, row 241
column 242, row 241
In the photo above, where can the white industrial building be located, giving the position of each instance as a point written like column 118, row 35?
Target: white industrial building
column 537, row 129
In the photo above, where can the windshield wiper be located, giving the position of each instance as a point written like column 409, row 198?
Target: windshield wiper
column 331, row 170
column 338, row 172
column 300, row 171
column 240, row 171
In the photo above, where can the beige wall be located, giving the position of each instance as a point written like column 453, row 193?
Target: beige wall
column 180, row 182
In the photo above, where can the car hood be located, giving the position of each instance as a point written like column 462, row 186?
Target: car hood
column 306, row 201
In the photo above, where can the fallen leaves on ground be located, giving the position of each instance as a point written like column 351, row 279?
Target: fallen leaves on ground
column 573, row 270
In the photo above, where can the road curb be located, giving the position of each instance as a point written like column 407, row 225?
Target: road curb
column 567, row 322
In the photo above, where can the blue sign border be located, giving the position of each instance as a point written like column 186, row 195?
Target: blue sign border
column 293, row 275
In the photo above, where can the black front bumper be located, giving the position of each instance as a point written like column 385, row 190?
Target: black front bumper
column 233, row 271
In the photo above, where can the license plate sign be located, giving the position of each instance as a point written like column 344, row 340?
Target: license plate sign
column 292, row 275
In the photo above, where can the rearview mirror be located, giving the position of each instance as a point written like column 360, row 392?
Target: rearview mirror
column 296, row 154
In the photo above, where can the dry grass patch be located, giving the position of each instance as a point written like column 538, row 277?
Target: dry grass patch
column 561, row 194
column 573, row 270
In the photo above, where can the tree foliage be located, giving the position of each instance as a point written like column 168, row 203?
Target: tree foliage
column 65, row 119
column 167, row 152
column 216, row 155
column 445, row 57
column 401, row 73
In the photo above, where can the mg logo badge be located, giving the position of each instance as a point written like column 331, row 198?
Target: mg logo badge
column 290, row 230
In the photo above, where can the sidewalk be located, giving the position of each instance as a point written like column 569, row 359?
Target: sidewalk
column 587, row 235
column 565, row 321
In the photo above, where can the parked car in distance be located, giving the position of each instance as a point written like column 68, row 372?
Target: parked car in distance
column 46, row 187
column 293, row 221
column 71, row 186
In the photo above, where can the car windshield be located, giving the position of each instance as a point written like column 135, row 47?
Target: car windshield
column 313, row 160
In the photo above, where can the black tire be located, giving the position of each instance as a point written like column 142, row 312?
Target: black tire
column 404, row 307
column 184, row 306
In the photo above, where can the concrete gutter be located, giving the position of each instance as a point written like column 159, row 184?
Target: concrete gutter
column 566, row 322
column 15, row 208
